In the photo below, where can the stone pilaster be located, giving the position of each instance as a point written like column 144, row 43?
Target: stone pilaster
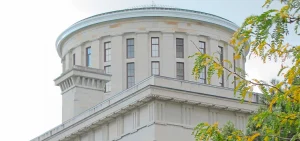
column 82, row 88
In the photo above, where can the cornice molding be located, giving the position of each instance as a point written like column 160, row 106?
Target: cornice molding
column 213, row 38
column 134, row 97
column 140, row 13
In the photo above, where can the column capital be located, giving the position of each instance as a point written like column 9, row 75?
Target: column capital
column 80, row 76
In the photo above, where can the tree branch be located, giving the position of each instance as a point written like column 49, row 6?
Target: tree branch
column 259, row 84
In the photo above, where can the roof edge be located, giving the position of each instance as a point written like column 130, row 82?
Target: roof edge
column 144, row 12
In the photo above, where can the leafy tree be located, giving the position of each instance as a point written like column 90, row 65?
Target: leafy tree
column 263, row 36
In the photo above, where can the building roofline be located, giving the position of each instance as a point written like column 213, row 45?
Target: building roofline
column 152, row 81
column 148, row 11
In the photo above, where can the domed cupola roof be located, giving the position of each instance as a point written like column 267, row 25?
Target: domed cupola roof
column 151, row 10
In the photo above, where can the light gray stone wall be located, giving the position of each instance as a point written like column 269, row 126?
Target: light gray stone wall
column 142, row 29
column 161, row 121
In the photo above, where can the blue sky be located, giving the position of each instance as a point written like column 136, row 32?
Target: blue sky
column 30, row 103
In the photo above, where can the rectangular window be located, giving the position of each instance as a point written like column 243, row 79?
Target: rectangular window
column 107, row 51
column 130, row 75
column 107, row 70
column 88, row 57
column 179, row 48
column 154, row 47
column 234, row 70
column 221, row 80
column 180, row 70
column 130, row 48
column 202, row 75
column 74, row 57
column 202, row 47
column 155, row 67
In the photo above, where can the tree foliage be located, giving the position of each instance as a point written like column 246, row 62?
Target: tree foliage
column 262, row 36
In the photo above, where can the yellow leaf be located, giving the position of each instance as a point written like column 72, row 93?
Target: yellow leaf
column 266, row 138
column 233, row 41
column 253, row 136
column 255, row 80
column 239, row 138
column 255, row 118
column 291, row 122
column 258, row 125
column 220, row 72
column 227, row 61
column 283, row 121
column 272, row 103
column 237, row 56
column 267, row 2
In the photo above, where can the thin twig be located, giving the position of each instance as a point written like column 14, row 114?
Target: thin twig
column 261, row 84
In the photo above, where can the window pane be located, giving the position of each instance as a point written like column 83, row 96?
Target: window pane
column 130, row 75
column 154, row 47
column 154, row 40
column 202, row 76
column 130, row 48
column 107, row 69
column 89, row 60
column 155, row 68
column 109, row 57
column 179, row 41
column 179, row 54
column 179, row 48
column 130, row 81
column 130, row 42
column 107, row 53
column 88, row 56
column 202, row 50
column 107, row 45
column 130, row 52
column 180, row 71
column 88, row 50
column 108, row 86
column 202, row 47
column 154, row 53
column 74, row 57
column 221, row 79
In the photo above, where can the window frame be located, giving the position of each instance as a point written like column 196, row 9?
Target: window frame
column 74, row 61
column 106, row 49
column 221, row 49
column 127, row 76
column 152, row 67
column 177, row 63
column 157, row 47
column 127, row 46
column 88, row 56
column 234, row 70
column 107, row 66
column 204, row 79
column 181, row 46
column 203, row 49
column 105, row 70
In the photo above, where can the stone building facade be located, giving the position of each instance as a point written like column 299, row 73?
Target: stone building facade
column 127, row 75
